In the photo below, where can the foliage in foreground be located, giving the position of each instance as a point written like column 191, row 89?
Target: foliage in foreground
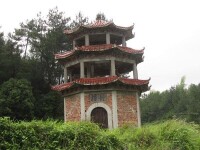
column 169, row 135
column 55, row 135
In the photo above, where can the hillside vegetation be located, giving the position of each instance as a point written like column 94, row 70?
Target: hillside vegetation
column 178, row 102
column 168, row 135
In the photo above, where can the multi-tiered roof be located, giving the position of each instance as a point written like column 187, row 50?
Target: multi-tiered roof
column 100, row 59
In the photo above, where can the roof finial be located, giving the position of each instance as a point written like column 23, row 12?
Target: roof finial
column 101, row 16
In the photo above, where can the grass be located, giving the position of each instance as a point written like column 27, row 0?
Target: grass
column 168, row 135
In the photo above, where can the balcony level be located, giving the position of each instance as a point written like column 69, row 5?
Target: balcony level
column 99, row 68
column 100, row 38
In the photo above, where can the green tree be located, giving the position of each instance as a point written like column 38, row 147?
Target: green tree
column 24, row 36
column 150, row 106
column 41, row 38
column 2, row 51
column 16, row 99
column 194, row 103
column 178, row 101
column 52, row 106
column 80, row 20
column 9, row 59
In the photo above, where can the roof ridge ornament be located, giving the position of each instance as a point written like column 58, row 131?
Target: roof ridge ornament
column 98, row 23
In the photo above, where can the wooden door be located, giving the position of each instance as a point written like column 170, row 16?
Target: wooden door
column 99, row 115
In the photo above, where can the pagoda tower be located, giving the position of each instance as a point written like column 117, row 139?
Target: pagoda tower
column 95, row 85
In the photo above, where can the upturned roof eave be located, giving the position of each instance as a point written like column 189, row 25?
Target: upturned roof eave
column 92, row 26
column 98, row 49
column 101, row 81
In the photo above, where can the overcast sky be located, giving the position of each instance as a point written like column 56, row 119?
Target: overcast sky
column 168, row 29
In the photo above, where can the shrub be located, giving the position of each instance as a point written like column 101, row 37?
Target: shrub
column 168, row 135
column 180, row 134
column 55, row 135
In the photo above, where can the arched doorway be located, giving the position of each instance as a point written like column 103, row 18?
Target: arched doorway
column 100, row 116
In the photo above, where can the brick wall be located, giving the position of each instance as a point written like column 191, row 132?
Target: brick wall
column 127, row 108
column 126, row 103
column 73, row 108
